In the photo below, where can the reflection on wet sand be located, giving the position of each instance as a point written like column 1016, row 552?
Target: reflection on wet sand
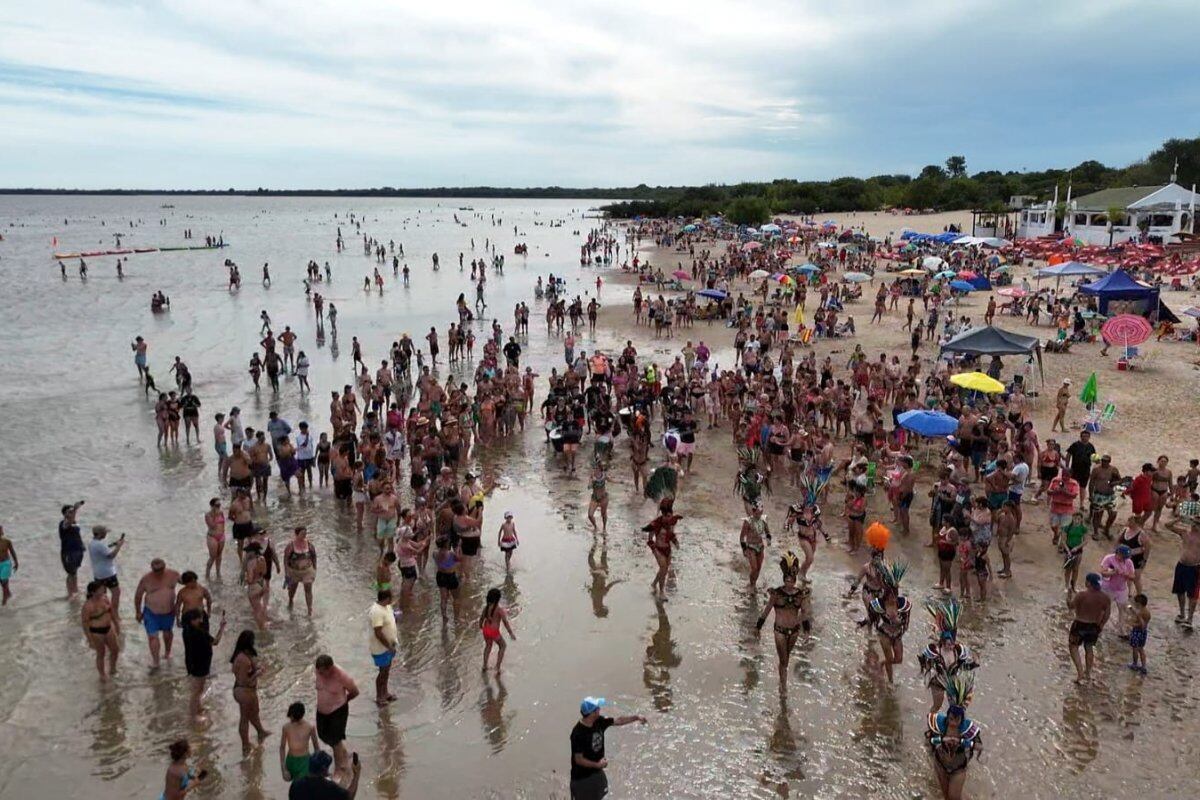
column 661, row 658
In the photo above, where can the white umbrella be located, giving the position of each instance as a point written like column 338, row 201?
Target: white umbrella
column 932, row 262
column 856, row 277
column 758, row 273
column 994, row 241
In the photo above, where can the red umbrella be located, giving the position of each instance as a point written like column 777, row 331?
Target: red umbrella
column 967, row 275
column 1126, row 329
column 1011, row 291
column 683, row 276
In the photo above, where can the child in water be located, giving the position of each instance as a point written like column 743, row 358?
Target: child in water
column 1139, row 613
column 494, row 615
column 507, row 539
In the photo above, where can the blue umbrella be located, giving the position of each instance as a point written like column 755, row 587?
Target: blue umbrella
column 961, row 286
column 689, row 228
column 928, row 423
column 714, row 294
column 809, row 268
column 946, row 274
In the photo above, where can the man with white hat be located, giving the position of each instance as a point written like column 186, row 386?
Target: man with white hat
column 588, row 781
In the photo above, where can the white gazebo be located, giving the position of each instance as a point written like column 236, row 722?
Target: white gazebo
column 1162, row 212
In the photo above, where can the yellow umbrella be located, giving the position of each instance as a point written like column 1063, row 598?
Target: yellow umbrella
column 798, row 316
column 978, row 382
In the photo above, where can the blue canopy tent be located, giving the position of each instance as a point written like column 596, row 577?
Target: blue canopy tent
column 1118, row 285
column 981, row 283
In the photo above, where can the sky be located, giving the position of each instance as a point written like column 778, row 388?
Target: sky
column 197, row 94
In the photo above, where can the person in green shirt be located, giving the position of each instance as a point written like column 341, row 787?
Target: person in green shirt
column 1071, row 547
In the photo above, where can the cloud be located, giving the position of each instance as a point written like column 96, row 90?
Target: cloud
column 578, row 91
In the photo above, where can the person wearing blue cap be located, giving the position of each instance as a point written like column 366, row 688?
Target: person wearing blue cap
column 588, row 781
column 1092, row 608
column 317, row 785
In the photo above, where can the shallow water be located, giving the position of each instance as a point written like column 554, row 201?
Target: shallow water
column 76, row 425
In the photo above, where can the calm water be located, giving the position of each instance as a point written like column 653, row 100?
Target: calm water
column 76, row 425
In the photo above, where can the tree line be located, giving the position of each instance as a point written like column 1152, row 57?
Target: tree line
column 937, row 187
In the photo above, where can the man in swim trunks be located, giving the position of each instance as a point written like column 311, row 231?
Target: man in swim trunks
column 385, row 507
column 157, row 588
column 1186, row 585
column 1092, row 608
column 1102, row 495
column 335, row 690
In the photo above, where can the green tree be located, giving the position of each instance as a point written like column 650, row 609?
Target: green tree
column 956, row 166
column 747, row 211
column 932, row 173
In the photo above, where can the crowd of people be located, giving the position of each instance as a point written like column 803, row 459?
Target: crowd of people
column 822, row 437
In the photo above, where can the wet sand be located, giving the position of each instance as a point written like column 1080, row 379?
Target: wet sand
column 583, row 612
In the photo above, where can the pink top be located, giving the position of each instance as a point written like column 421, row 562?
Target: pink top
column 1123, row 573
column 333, row 689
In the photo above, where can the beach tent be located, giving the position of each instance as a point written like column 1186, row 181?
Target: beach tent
column 980, row 282
column 1069, row 269
column 1119, row 285
column 992, row 341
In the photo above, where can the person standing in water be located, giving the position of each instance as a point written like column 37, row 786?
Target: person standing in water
column 8, row 564
column 157, row 589
column 790, row 602
column 71, row 547
column 101, row 628
column 198, row 646
column 588, row 781
column 246, row 672
column 507, row 539
column 1092, row 608
column 383, row 643
column 294, row 740
column 494, row 615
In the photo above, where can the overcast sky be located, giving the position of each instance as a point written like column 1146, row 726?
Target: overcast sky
column 220, row 93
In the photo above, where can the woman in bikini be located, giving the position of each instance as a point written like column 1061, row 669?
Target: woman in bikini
column 300, row 567
column 214, row 521
column 953, row 738
column 944, row 657
column 793, row 612
column 246, row 671
column 1160, row 486
column 754, row 537
column 100, row 628
column 661, row 540
column 599, row 498
column 892, row 613
column 254, row 572
column 805, row 519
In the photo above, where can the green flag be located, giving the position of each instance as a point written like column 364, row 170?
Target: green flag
column 1088, row 395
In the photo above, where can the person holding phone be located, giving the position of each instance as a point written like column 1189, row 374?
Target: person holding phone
column 317, row 785
column 103, row 556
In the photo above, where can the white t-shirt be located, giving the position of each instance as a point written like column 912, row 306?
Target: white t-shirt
column 1020, row 473
column 304, row 447
column 104, row 563
column 381, row 617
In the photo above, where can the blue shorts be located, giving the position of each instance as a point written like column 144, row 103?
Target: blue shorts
column 222, row 449
column 5, row 569
column 383, row 659
column 157, row 623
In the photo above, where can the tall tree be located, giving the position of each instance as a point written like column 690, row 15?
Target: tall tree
column 956, row 166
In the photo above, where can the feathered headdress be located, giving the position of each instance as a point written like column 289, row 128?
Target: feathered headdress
column 945, row 617
column 747, row 456
column 812, row 486
column 789, row 563
column 960, row 689
column 878, row 535
column 892, row 573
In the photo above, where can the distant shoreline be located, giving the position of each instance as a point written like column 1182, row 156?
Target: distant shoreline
column 470, row 192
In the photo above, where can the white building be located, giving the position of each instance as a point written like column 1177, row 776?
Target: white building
column 1161, row 211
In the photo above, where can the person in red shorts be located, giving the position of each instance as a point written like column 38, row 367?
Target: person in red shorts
column 1140, row 494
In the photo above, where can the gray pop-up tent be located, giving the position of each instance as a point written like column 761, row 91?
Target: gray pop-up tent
column 993, row 341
